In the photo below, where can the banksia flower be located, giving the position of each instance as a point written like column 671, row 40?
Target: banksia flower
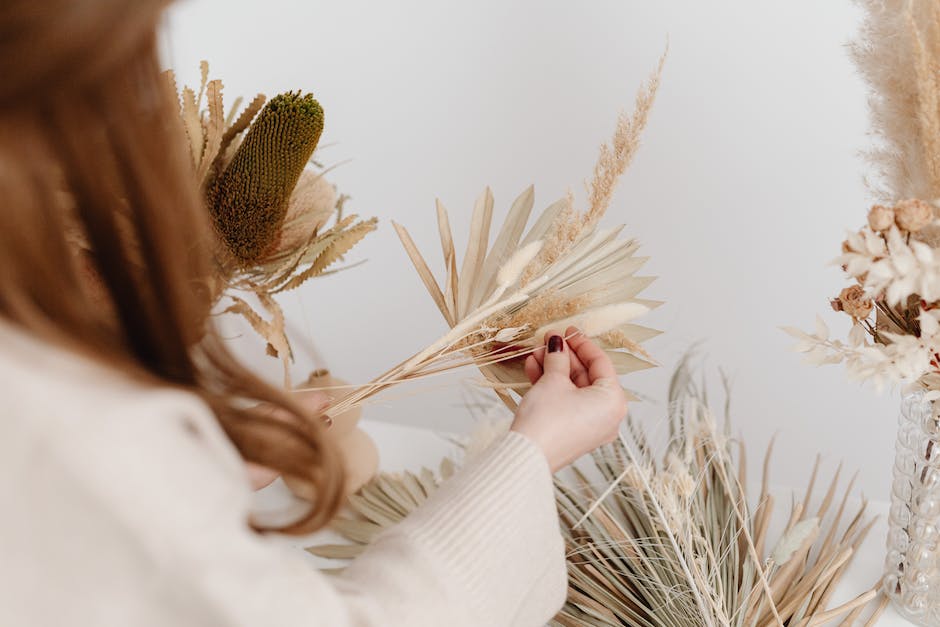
column 249, row 199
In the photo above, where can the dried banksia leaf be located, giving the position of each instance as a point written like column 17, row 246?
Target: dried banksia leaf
column 272, row 331
column 248, row 200
column 214, row 130
column 333, row 252
column 241, row 123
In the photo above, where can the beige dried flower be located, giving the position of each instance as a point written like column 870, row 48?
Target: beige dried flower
column 854, row 302
column 880, row 218
column 311, row 205
column 913, row 214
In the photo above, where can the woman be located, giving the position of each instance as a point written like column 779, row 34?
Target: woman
column 127, row 426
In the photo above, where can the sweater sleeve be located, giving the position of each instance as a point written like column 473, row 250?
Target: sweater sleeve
column 489, row 536
column 484, row 550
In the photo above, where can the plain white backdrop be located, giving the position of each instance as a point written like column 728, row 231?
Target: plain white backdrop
column 748, row 177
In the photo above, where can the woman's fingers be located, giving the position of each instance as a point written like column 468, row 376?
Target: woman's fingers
column 533, row 369
column 579, row 373
column 598, row 364
column 314, row 400
column 556, row 359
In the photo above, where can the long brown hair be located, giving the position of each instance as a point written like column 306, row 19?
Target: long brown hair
column 91, row 147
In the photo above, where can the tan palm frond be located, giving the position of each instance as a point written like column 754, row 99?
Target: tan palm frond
column 570, row 270
column 670, row 539
column 565, row 270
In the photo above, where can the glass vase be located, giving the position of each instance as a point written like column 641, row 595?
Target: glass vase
column 912, row 567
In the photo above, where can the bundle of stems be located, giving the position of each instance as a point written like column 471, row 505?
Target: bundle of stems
column 565, row 270
column 671, row 539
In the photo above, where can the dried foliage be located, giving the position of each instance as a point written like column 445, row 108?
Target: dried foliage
column 898, row 53
column 671, row 540
column 268, row 198
column 379, row 504
column 564, row 270
column 892, row 261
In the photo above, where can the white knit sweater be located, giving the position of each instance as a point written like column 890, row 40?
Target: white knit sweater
column 127, row 506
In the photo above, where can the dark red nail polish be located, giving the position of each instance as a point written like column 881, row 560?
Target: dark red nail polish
column 555, row 344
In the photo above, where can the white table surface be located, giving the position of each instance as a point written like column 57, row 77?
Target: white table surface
column 409, row 448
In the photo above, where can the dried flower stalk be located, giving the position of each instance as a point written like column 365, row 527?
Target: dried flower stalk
column 670, row 543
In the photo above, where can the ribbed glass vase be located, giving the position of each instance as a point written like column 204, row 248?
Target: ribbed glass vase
column 912, row 567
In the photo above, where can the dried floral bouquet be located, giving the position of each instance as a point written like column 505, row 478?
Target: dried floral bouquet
column 893, row 263
column 670, row 542
column 565, row 270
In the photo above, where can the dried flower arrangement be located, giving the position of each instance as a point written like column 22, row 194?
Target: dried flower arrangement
column 268, row 198
column 563, row 271
column 893, row 261
column 672, row 543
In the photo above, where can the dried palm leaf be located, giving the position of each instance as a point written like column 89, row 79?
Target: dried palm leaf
column 669, row 542
column 564, row 271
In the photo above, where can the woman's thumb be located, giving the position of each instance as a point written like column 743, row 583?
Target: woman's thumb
column 557, row 360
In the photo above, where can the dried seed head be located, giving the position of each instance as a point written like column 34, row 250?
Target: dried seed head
column 248, row 200
column 516, row 264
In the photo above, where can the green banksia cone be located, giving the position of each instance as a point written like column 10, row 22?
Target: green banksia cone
column 248, row 200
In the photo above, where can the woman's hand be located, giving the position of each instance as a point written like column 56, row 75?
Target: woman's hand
column 576, row 402
column 316, row 402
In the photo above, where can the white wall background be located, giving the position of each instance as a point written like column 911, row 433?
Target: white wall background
column 741, row 193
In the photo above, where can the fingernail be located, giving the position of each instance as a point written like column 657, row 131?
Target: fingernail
column 555, row 344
